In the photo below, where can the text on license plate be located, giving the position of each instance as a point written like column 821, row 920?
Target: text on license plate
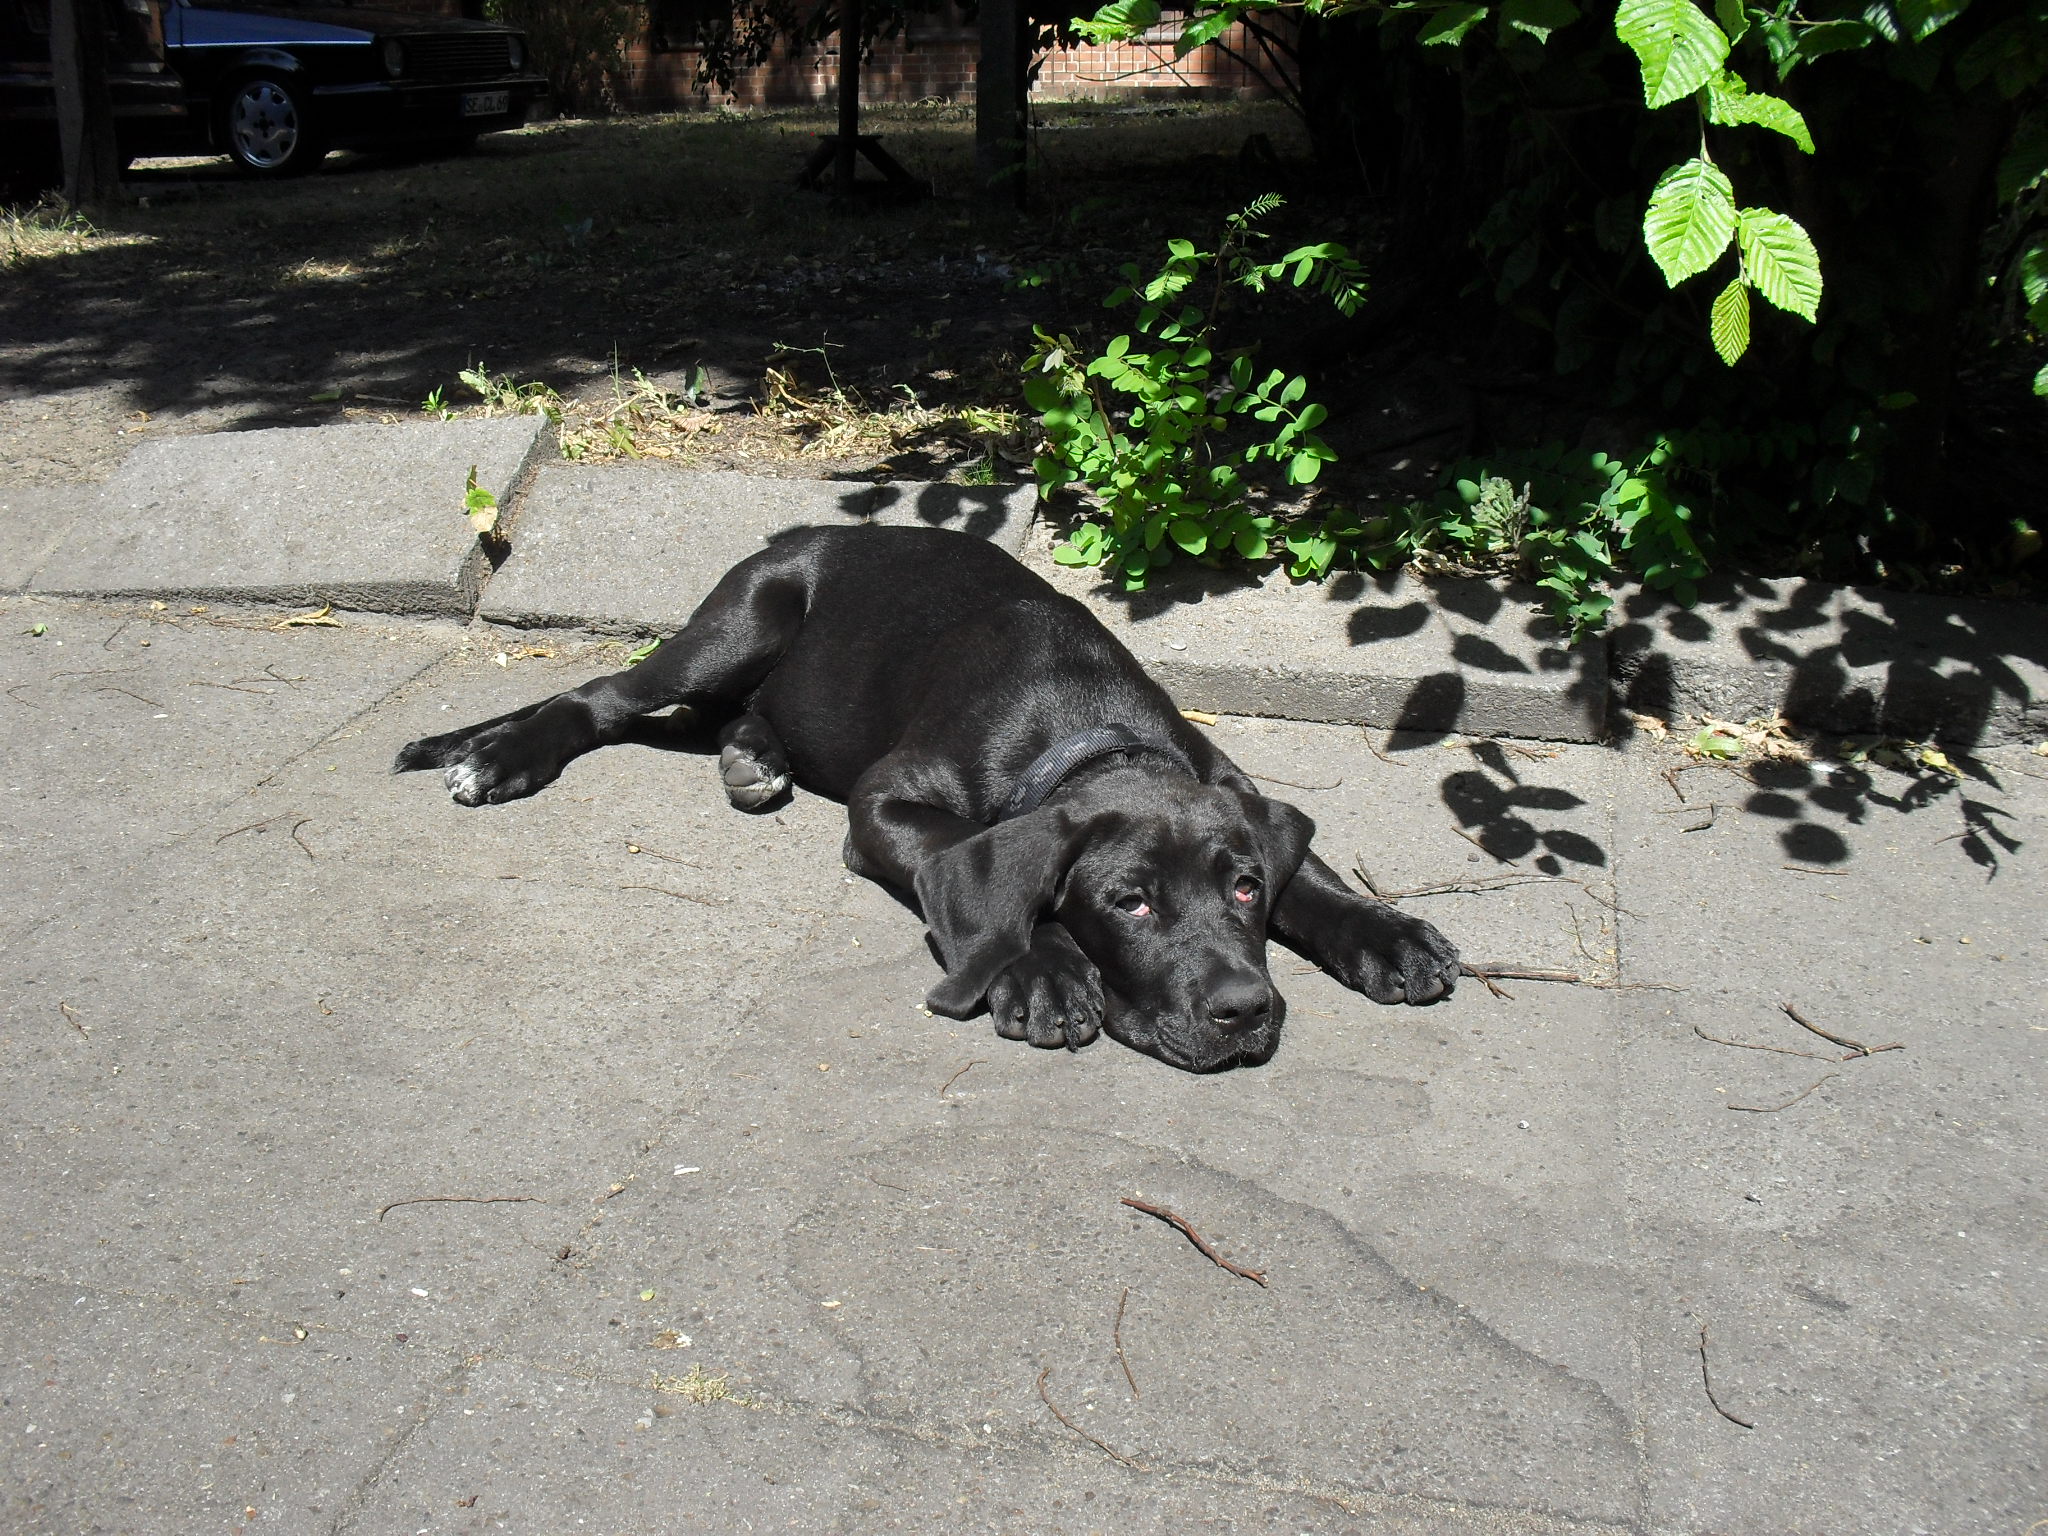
column 486, row 103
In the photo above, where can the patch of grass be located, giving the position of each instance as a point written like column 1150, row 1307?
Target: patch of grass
column 44, row 231
column 697, row 1387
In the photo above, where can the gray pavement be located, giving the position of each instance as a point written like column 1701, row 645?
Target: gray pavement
column 723, row 1233
column 372, row 1165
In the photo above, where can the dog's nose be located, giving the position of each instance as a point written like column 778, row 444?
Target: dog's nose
column 1239, row 1004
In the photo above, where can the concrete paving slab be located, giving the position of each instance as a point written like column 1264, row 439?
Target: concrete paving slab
column 132, row 727
column 633, row 548
column 33, row 520
column 1432, row 656
column 146, row 1411
column 366, row 517
column 670, row 1062
column 1972, row 672
column 1862, row 1256
column 528, row 1446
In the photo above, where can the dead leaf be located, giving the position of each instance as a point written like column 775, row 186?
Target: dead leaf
column 322, row 617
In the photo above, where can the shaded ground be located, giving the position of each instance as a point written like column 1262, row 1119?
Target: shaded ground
column 576, row 253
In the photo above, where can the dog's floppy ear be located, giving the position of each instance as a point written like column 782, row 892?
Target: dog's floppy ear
column 1283, row 835
column 983, row 896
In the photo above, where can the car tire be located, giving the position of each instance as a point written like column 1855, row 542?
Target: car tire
column 267, row 126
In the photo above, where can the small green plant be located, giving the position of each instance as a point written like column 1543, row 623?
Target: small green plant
column 436, row 404
column 1170, row 433
column 479, row 506
column 502, row 397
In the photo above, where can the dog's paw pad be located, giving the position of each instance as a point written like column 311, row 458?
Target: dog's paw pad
column 749, row 782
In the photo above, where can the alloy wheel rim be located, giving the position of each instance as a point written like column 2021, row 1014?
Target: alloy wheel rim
column 265, row 123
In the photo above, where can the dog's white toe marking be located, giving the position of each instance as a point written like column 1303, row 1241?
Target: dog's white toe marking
column 462, row 780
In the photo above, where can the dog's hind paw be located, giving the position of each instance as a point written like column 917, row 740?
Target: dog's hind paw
column 750, row 783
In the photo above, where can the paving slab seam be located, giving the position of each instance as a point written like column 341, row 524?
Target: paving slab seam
column 84, row 895
column 1352, row 1501
column 356, row 1501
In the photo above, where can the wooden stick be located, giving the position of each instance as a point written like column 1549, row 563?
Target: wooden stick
column 1196, row 1238
column 462, row 1200
column 1772, row 1109
column 979, row 1061
column 1782, row 1050
column 1119, row 1336
column 1708, row 1382
column 1077, row 1429
column 1856, row 1047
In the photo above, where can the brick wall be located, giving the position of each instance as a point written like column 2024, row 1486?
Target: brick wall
column 935, row 59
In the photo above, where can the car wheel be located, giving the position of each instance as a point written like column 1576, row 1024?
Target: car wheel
column 267, row 128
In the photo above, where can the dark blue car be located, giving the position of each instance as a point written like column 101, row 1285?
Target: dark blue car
column 275, row 84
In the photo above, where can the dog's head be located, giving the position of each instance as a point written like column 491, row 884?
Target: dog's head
column 1167, row 886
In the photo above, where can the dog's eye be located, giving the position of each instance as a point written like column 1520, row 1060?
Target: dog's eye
column 1247, row 889
column 1134, row 904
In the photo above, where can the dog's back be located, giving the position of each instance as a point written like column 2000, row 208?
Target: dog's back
column 908, row 631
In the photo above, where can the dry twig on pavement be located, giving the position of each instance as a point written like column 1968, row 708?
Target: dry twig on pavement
column 1122, row 1301
column 1856, row 1047
column 979, row 1061
column 1772, row 1109
column 1708, row 1382
column 462, row 1200
column 1196, row 1238
column 1746, row 1045
column 1077, row 1429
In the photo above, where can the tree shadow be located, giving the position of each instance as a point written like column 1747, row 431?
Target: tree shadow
column 1854, row 663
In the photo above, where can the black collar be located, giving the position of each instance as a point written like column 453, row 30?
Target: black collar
column 1057, row 761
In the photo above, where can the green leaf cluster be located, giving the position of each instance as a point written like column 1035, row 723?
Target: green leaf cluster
column 1169, row 435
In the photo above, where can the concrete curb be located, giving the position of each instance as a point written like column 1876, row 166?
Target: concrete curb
column 368, row 518
column 365, row 517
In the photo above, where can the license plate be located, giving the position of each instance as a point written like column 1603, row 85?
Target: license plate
column 486, row 103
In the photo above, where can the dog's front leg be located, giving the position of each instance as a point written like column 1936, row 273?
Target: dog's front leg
column 1368, row 945
column 984, row 892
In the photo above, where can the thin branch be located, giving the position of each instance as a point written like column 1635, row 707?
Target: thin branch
column 1708, row 1382
column 979, row 1061
column 1077, row 1429
column 1801, row 869
column 1196, row 1238
column 1782, row 1050
column 1122, row 1301
column 138, row 698
column 71, row 1017
column 1265, row 778
column 1772, row 1109
column 1382, row 756
column 462, row 1200
column 1501, row 857
column 1856, row 1047
column 656, row 853
column 1510, row 973
column 702, row 901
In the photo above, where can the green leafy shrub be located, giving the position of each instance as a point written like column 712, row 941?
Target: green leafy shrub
column 1170, row 432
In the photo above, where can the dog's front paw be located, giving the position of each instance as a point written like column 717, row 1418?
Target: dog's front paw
column 1051, row 997
column 494, row 762
column 1395, row 958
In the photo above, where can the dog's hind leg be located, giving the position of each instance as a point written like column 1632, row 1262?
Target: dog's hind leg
column 732, row 642
column 752, row 763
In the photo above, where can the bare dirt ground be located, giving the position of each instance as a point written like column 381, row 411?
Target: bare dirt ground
column 588, row 256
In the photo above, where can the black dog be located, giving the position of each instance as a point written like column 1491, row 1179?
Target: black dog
column 1086, row 859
